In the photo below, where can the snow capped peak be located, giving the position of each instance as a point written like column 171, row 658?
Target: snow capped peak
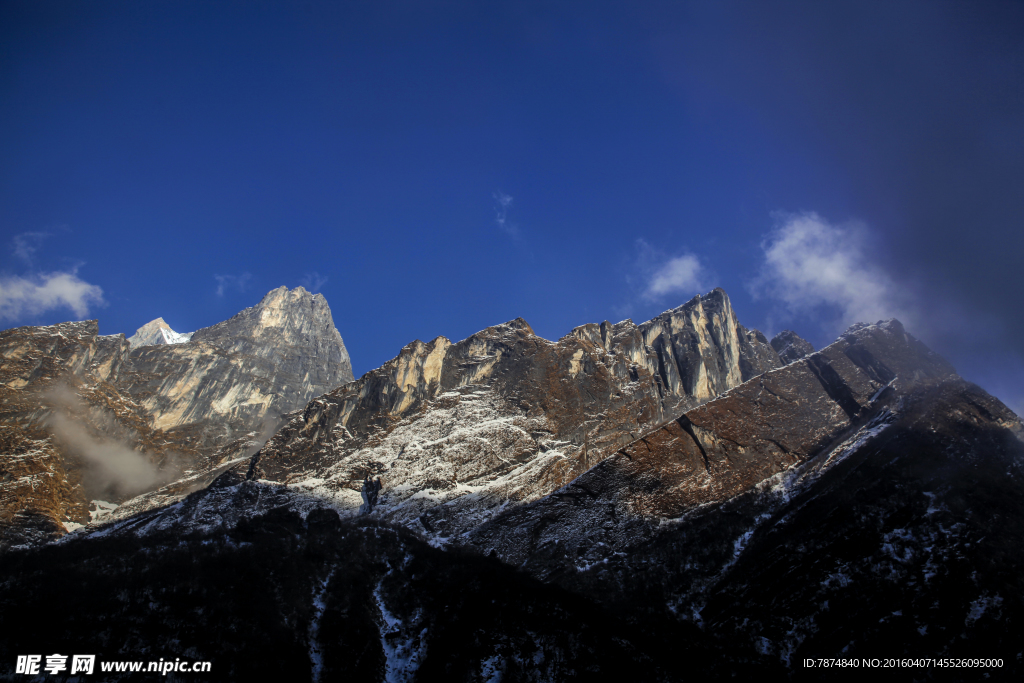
column 157, row 332
column 172, row 337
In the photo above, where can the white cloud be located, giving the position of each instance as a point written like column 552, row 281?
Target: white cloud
column 236, row 282
column 35, row 294
column 665, row 276
column 681, row 275
column 811, row 265
column 313, row 281
column 501, row 211
column 27, row 244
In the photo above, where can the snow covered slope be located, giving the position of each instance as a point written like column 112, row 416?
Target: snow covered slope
column 157, row 332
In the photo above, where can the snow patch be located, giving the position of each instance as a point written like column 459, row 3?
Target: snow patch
column 404, row 652
column 102, row 510
column 492, row 669
column 315, row 658
column 980, row 606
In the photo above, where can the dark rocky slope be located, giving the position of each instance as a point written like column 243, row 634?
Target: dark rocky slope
column 712, row 453
column 273, row 595
column 790, row 346
column 861, row 501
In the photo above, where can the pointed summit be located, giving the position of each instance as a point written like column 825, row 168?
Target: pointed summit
column 157, row 332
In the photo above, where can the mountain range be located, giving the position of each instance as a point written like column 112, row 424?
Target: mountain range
column 681, row 497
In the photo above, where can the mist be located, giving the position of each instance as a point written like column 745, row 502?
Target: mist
column 111, row 467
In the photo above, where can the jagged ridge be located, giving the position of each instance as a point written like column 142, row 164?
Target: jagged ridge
column 462, row 430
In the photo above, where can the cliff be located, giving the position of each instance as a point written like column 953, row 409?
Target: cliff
column 243, row 374
column 63, row 411
column 719, row 450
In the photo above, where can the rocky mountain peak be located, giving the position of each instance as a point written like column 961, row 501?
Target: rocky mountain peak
column 711, row 453
column 157, row 332
column 265, row 360
column 519, row 324
column 790, row 346
column 759, row 501
column 282, row 316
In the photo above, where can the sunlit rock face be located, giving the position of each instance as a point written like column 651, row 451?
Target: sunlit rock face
column 243, row 373
column 790, row 346
column 712, row 453
column 75, row 404
column 460, row 431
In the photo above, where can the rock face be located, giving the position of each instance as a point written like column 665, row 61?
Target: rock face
column 157, row 332
column 70, row 374
column 713, row 453
column 243, row 373
column 853, row 499
column 790, row 346
column 460, row 431
column 74, row 404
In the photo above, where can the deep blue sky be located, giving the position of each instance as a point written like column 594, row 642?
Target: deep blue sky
column 649, row 153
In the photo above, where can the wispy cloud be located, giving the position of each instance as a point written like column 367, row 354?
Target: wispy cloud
column 35, row 294
column 501, row 218
column 110, row 465
column 813, row 267
column 26, row 245
column 238, row 283
column 664, row 275
column 313, row 281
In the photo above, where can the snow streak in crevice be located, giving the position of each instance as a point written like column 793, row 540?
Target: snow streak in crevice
column 315, row 657
column 404, row 647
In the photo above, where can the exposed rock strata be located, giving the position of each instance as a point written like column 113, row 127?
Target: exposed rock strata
column 861, row 500
column 460, row 431
column 243, row 372
column 718, row 450
column 892, row 522
column 71, row 371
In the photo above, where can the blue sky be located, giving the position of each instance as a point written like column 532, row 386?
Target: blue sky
column 434, row 168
